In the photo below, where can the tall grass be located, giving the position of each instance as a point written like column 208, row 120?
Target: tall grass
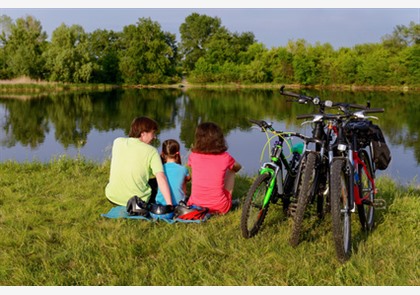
column 52, row 233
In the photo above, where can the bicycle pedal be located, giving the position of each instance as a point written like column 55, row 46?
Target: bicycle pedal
column 292, row 209
column 379, row 204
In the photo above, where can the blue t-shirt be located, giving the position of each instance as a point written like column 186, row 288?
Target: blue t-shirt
column 175, row 174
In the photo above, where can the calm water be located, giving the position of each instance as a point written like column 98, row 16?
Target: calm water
column 46, row 127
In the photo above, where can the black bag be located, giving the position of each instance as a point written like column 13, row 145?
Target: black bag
column 381, row 152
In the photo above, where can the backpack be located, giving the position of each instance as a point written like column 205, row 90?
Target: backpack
column 381, row 152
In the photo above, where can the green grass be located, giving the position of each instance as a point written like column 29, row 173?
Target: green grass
column 52, row 233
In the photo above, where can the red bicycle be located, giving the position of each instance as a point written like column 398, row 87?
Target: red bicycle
column 352, row 178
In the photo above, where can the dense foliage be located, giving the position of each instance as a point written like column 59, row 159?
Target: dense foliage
column 207, row 53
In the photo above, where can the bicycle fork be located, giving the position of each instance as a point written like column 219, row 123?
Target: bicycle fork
column 276, row 174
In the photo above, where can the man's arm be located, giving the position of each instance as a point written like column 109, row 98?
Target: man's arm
column 164, row 187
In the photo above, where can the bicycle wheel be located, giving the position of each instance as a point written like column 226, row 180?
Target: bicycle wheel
column 340, row 211
column 305, row 188
column 366, row 210
column 253, row 212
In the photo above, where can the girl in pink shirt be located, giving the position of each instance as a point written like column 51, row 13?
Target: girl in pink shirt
column 212, row 170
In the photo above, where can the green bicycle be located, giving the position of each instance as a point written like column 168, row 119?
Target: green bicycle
column 276, row 179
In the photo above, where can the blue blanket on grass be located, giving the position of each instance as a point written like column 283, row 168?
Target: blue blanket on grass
column 121, row 212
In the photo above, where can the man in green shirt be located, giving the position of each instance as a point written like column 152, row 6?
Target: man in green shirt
column 134, row 162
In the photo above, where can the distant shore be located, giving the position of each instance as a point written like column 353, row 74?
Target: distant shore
column 30, row 86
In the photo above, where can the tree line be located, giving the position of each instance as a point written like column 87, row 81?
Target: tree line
column 208, row 52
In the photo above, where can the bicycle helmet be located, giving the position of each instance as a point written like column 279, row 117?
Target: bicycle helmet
column 159, row 211
column 137, row 207
column 182, row 209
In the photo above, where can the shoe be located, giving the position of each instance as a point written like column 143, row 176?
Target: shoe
column 235, row 203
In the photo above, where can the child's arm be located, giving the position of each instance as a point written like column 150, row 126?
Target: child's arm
column 236, row 167
column 184, row 185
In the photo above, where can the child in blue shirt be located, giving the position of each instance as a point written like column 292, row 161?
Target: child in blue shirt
column 176, row 174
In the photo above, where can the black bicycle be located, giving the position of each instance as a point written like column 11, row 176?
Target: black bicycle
column 352, row 178
column 313, row 183
column 275, row 180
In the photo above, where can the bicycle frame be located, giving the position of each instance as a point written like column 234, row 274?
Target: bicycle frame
column 276, row 179
column 275, row 169
column 353, row 161
column 358, row 199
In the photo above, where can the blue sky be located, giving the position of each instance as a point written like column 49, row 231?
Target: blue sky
column 343, row 25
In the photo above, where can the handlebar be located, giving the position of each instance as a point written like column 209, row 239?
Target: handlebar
column 305, row 116
column 301, row 98
column 344, row 107
column 375, row 110
column 262, row 124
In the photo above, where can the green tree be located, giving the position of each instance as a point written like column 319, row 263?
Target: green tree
column 224, row 46
column 344, row 67
column 5, row 29
column 147, row 54
column 373, row 67
column 279, row 63
column 409, row 59
column 203, row 72
column 196, row 32
column 304, row 64
column 402, row 36
column 104, row 48
column 23, row 46
column 255, row 67
column 67, row 57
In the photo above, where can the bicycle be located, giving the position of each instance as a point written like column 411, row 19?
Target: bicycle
column 275, row 180
column 316, row 164
column 313, row 182
column 352, row 180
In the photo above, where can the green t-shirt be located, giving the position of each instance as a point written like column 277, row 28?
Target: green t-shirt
column 133, row 163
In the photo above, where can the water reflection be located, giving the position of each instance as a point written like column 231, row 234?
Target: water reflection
column 86, row 123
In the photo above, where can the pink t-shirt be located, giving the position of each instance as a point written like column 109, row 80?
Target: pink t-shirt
column 208, row 180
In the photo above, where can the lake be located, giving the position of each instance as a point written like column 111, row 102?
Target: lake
column 45, row 127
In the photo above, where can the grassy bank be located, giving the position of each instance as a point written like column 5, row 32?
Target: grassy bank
column 53, row 234
column 28, row 86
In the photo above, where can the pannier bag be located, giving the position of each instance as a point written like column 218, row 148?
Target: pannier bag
column 381, row 152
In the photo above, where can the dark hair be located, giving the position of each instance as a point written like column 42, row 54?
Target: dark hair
column 170, row 149
column 142, row 124
column 209, row 139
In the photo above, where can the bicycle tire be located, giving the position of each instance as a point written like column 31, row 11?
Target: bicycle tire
column 322, row 190
column 340, row 213
column 305, row 187
column 253, row 214
column 366, row 210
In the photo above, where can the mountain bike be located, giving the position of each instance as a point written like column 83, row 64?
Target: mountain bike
column 275, row 180
column 316, row 163
column 313, row 182
column 352, row 179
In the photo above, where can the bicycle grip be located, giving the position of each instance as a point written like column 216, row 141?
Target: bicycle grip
column 260, row 123
column 374, row 110
column 305, row 116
